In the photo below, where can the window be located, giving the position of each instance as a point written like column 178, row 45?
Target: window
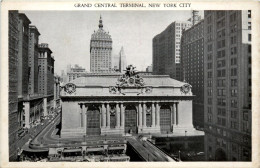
column 209, row 83
column 249, row 26
column 249, row 37
column 245, row 115
column 221, row 54
column 221, row 63
column 209, row 100
column 209, row 74
column 209, row 92
column 233, row 114
column 233, row 28
column 249, row 13
column 233, row 17
column 233, row 82
column 233, row 92
column 233, row 50
column 209, row 56
column 209, row 110
column 234, row 103
column 233, row 40
column 210, row 47
column 221, row 33
column 233, row 61
column 234, row 125
column 249, row 48
column 222, row 112
column 209, row 65
column 220, row 23
column 233, row 71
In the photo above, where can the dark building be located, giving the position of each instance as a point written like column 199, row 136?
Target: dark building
column 33, row 59
column 166, row 51
column 23, row 75
column 13, row 82
column 227, row 91
column 46, row 77
column 23, row 70
column 46, row 70
column 192, row 55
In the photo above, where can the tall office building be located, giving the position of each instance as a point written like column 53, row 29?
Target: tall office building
column 23, row 70
column 227, row 78
column 122, row 60
column 100, row 50
column 192, row 55
column 33, row 59
column 13, row 33
column 46, row 70
column 166, row 50
column 23, row 75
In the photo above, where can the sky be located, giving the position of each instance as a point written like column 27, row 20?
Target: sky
column 68, row 33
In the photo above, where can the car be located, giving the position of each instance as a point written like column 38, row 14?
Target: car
column 200, row 153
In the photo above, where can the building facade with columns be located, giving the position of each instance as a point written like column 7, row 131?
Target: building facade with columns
column 108, row 104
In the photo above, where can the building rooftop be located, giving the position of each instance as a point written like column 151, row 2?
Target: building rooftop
column 111, row 80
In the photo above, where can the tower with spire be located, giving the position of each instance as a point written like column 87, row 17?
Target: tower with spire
column 122, row 60
column 100, row 50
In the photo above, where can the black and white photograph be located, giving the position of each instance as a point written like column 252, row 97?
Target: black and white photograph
column 130, row 85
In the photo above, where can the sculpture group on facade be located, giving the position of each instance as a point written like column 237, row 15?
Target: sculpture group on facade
column 130, row 78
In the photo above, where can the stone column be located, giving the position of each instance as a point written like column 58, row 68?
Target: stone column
column 84, row 113
column 103, row 115
column 140, row 114
column 45, row 112
column 173, row 114
column 153, row 115
column 157, row 115
column 81, row 116
column 122, row 110
column 108, row 115
column 177, row 115
column 117, row 116
column 144, row 114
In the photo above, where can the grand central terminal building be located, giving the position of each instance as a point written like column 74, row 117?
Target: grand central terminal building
column 121, row 104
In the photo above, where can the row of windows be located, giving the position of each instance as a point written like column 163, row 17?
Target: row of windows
column 222, row 112
column 221, row 121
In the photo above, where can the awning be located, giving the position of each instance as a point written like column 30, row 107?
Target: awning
column 72, row 150
column 94, row 149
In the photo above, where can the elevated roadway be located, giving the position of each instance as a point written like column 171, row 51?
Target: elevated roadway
column 48, row 138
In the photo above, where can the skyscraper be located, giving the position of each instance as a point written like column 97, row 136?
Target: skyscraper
column 122, row 60
column 100, row 50
column 13, row 82
column 227, row 91
column 166, row 50
column 23, row 77
column 33, row 59
column 46, row 70
column 192, row 55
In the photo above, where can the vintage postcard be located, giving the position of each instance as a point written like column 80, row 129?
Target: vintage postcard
column 151, row 84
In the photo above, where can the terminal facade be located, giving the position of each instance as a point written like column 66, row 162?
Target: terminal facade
column 108, row 104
